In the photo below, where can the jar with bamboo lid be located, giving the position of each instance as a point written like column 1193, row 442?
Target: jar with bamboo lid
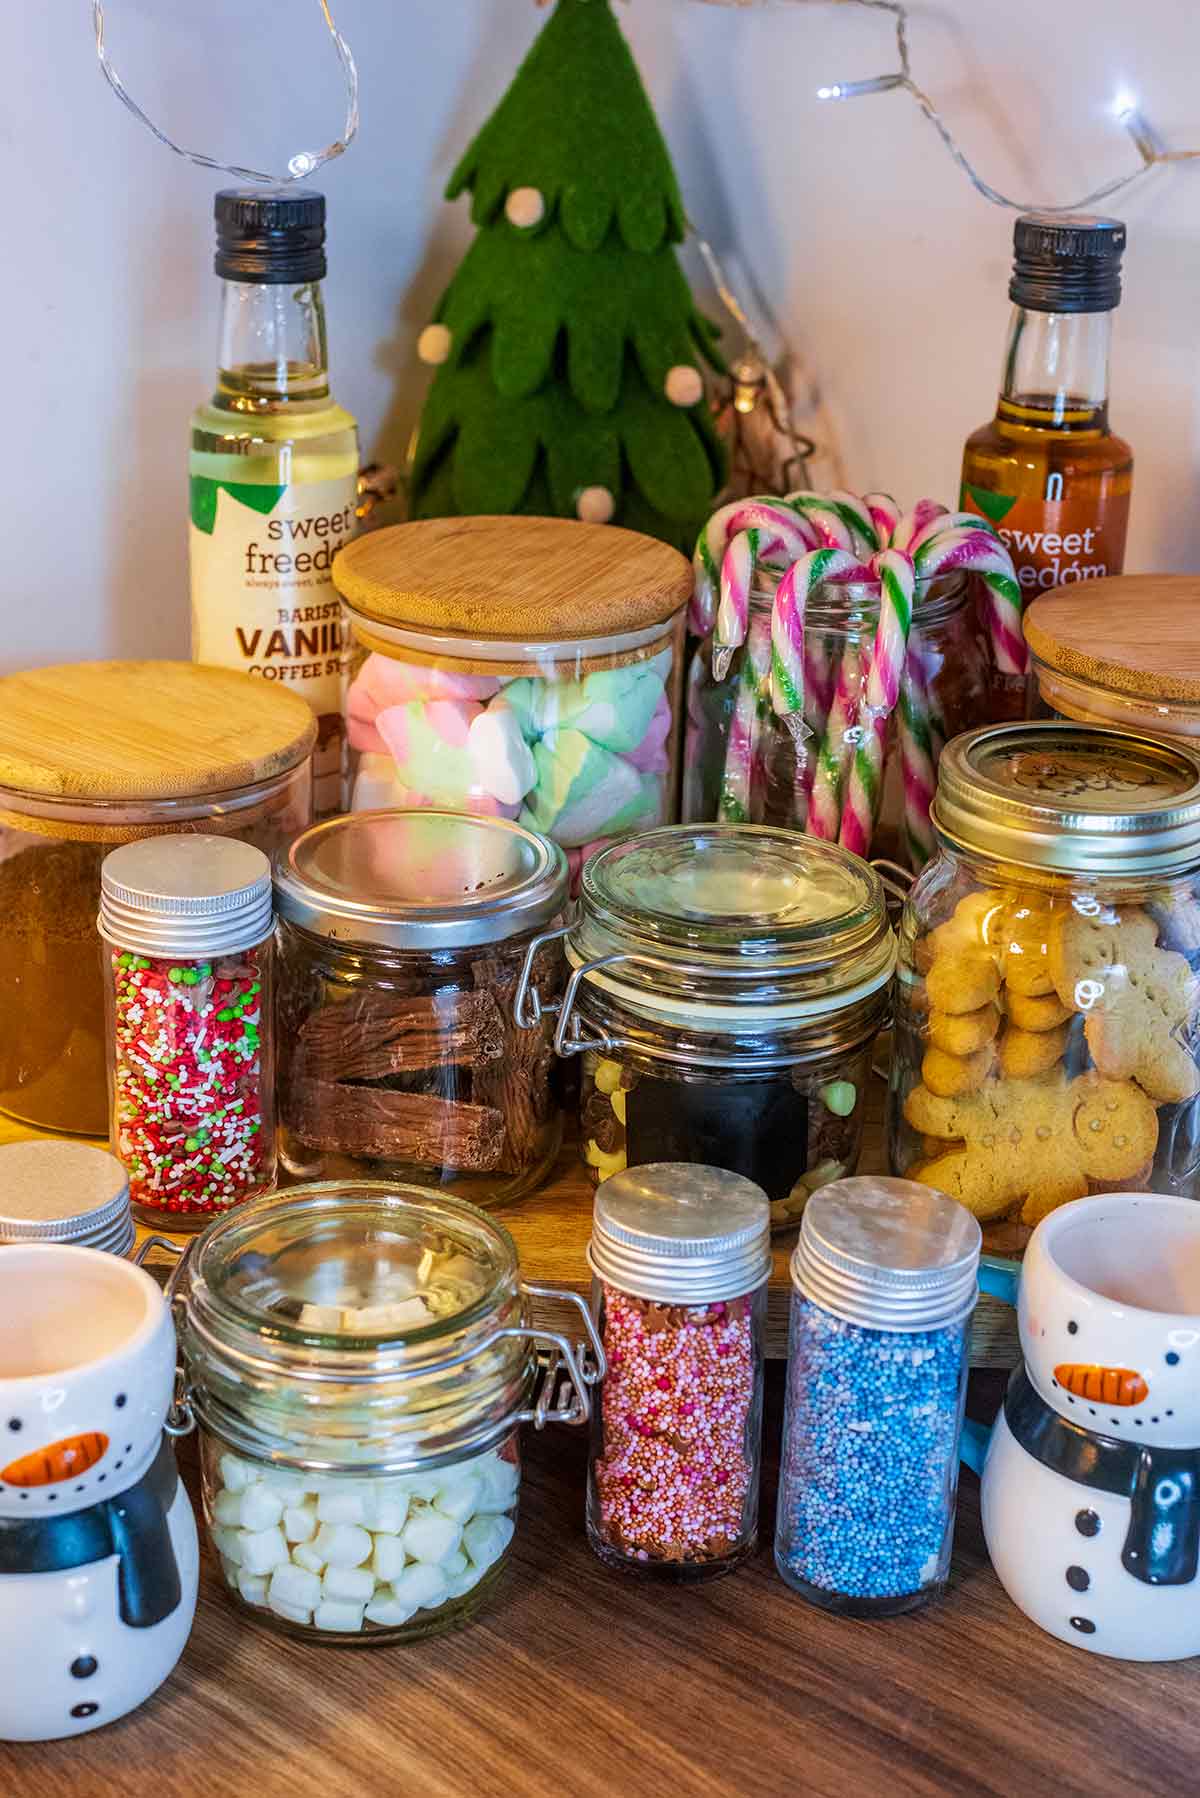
column 92, row 755
column 524, row 668
column 1123, row 651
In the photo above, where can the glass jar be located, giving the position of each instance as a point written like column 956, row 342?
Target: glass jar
column 727, row 986
column 680, row 1257
column 1047, row 999
column 524, row 668
column 1120, row 652
column 360, row 1360
column 883, row 1286
column 186, row 923
column 741, row 763
column 401, row 939
column 92, row 756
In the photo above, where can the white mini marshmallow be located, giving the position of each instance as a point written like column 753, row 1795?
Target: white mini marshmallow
column 486, row 1538
column 227, row 1507
column 431, row 1537
column 462, row 1582
column 292, row 1488
column 351, row 1585
column 391, row 1510
column 343, row 1544
column 421, row 1585
column 228, row 1543
column 344, row 1617
column 300, row 1523
column 261, row 1507
column 230, row 1570
column 420, row 1485
column 295, row 1585
column 293, row 1612
column 353, row 1503
column 455, row 1564
column 235, row 1474
column 459, row 1498
column 263, row 1549
column 252, row 1586
column 389, row 1558
column 500, row 1481
column 388, row 1610
column 305, row 1555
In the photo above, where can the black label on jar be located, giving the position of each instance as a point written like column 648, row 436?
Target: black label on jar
column 758, row 1128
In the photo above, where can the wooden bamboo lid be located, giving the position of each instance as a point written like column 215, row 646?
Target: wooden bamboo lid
column 1130, row 633
column 544, row 578
column 146, row 730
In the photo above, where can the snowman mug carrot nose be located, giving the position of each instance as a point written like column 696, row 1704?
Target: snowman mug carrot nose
column 1110, row 1385
column 63, row 1460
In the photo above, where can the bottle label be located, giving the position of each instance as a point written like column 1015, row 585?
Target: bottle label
column 263, row 599
column 1056, row 538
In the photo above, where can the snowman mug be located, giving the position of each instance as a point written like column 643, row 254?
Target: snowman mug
column 1091, row 1475
column 98, row 1549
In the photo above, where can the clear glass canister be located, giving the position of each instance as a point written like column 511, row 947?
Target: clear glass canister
column 401, row 939
column 741, row 763
column 360, row 1361
column 1049, row 980
column 523, row 668
column 680, row 1257
column 186, row 923
column 727, row 986
column 883, row 1286
column 94, row 755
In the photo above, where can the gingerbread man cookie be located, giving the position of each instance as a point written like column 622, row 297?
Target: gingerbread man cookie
column 1138, row 999
column 1034, row 1143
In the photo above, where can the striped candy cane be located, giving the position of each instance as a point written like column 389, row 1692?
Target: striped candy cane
column 918, row 753
column 742, row 753
column 982, row 552
column 825, row 802
column 915, row 521
column 884, row 514
column 784, row 535
column 733, row 606
column 824, row 519
column 787, row 627
column 881, row 690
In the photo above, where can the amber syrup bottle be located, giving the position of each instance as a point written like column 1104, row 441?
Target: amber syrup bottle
column 1047, row 470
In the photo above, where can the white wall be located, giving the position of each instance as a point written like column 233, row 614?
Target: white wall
column 886, row 271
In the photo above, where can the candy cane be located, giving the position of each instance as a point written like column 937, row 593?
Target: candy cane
column 884, row 514
column 865, row 786
column 982, row 552
column 823, row 518
column 742, row 748
column 917, row 756
column 855, row 514
column 733, row 605
column 784, row 536
column 825, row 802
column 787, row 627
column 915, row 521
column 897, row 583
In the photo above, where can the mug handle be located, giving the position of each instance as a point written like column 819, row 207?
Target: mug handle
column 1000, row 1280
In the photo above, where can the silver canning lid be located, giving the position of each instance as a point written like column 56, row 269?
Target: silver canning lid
column 54, row 1191
column 420, row 879
column 887, row 1254
column 187, row 895
column 683, row 1234
column 1078, row 798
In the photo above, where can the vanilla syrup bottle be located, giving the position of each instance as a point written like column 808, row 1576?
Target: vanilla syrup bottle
column 274, row 468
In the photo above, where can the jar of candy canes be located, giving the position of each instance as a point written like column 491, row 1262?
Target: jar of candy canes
column 680, row 1257
column 97, row 754
column 727, row 986
column 524, row 668
column 744, row 764
column 360, row 1361
column 883, row 1286
column 186, row 922
column 401, row 939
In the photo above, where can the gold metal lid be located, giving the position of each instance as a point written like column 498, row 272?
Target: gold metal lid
column 1072, row 797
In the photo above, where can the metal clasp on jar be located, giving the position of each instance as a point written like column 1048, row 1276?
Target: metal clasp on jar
column 181, row 1419
column 529, row 1008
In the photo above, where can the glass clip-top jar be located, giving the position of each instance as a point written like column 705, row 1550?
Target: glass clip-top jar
column 680, row 1257
column 360, row 1361
column 401, row 939
column 727, row 985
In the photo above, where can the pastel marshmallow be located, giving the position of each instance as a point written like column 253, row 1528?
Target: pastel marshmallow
column 502, row 761
column 650, row 755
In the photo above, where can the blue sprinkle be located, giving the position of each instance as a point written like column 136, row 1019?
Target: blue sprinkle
column 870, row 1456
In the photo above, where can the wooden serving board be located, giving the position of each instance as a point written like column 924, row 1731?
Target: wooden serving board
column 551, row 1230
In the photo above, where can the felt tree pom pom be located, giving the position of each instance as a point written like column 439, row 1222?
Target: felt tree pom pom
column 684, row 385
column 595, row 505
column 525, row 207
column 434, row 345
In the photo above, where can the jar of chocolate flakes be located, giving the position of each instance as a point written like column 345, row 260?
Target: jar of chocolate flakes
column 727, row 985
column 402, row 936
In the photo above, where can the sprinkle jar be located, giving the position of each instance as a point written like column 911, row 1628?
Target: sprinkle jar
column 680, row 1255
column 186, row 922
column 884, row 1283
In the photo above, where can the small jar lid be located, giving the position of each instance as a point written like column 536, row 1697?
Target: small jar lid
column 146, row 730
column 185, row 895
column 420, row 879
column 681, row 1233
column 539, row 579
column 717, row 926
column 53, row 1191
column 887, row 1254
column 1133, row 634
column 1076, row 798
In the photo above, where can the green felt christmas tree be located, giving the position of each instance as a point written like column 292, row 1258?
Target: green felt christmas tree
column 568, row 342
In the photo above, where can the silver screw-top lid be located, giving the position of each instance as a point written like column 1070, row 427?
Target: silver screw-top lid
column 680, row 1233
column 887, row 1254
column 64, row 1192
column 185, row 895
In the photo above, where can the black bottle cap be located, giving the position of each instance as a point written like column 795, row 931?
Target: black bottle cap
column 270, row 235
column 1065, row 263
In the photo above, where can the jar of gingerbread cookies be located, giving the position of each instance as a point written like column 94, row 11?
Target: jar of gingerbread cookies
column 1048, row 987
